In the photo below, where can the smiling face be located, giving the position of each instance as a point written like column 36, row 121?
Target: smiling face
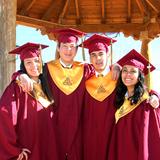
column 130, row 75
column 67, row 52
column 33, row 67
column 99, row 60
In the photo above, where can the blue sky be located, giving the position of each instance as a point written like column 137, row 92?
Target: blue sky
column 121, row 47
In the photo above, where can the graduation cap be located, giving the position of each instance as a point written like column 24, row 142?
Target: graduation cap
column 28, row 50
column 98, row 43
column 67, row 35
column 135, row 59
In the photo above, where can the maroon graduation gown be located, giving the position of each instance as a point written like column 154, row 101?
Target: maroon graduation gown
column 25, row 123
column 136, row 136
column 68, row 116
column 98, row 122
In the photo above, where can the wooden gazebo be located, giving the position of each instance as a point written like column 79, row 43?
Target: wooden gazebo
column 132, row 17
column 137, row 18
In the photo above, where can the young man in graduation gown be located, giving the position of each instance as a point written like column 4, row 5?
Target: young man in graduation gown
column 98, row 109
column 26, row 118
column 67, row 81
column 136, row 133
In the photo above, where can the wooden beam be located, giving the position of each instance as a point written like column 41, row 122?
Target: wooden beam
column 63, row 11
column 129, row 11
column 26, row 7
column 155, row 6
column 103, row 11
column 77, row 12
column 141, row 7
column 48, row 13
column 38, row 23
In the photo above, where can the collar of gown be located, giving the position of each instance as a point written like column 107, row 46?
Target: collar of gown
column 104, row 72
column 64, row 65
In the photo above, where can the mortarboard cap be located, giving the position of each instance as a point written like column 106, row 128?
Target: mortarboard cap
column 67, row 35
column 98, row 43
column 28, row 50
column 135, row 59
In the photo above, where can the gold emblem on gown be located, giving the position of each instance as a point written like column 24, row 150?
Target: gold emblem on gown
column 38, row 92
column 67, row 82
column 121, row 110
column 39, row 95
column 101, row 89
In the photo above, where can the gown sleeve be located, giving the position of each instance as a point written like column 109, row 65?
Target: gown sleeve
column 89, row 71
column 8, row 119
column 154, row 134
column 153, row 92
column 16, row 74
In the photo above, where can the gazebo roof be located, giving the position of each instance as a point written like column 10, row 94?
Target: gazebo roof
column 132, row 17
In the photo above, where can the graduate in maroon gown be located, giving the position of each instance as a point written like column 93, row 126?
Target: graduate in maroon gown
column 26, row 119
column 67, row 81
column 136, row 134
column 99, row 110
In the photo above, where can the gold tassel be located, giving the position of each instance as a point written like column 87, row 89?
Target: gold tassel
column 40, row 55
column 83, row 52
column 111, row 52
column 149, row 71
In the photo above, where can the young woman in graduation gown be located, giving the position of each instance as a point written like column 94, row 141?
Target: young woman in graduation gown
column 136, row 133
column 26, row 118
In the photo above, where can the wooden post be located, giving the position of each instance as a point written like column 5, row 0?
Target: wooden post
column 145, row 51
column 8, row 40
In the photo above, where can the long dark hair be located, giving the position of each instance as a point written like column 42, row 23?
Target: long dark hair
column 121, row 90
column 43, row 79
